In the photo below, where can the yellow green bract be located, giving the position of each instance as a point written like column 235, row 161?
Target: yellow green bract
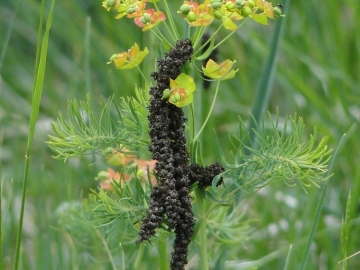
column 222, row 71
column 129, row 59
column 181, row 90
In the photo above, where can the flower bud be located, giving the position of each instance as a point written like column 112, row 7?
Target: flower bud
column 191, row 17
column 245, row 11
column 185, row 9
column 166, row 94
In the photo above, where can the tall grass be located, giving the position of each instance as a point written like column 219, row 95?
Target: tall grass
column 40, row 65
column 317, row 76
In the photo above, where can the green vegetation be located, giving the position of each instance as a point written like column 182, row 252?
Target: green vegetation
column 316, row 76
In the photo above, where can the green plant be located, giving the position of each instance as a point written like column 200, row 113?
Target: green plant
column 271, row 150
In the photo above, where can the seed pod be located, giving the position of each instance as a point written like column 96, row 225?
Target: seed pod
column 191, row 17
column 130, row 10
column 251, row 3
column 240, row 4
column 166, row 94
column 110, row 3
column 216, row 5
column 145, row 18
column 185, row 9
column 245, row 11
column 277, row 12
column 175, row 98
column 218, row 14
column 230, row 6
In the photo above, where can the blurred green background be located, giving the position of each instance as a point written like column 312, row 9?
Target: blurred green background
column 318, row 77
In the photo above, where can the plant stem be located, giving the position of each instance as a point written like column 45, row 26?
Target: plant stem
column 209, row 113
column 107, row 250
column 200, row 199
column 139, row 257
column 171, row 21
column 162, row 252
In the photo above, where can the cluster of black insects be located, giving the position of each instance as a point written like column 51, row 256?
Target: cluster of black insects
column 170, row 201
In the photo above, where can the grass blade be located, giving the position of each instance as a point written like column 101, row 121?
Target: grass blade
column 320, row 205
column 37, row 92
column 264, row 86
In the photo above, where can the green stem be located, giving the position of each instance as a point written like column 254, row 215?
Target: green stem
column 229, row 35
column 139, row 256
column 200, row 200
column 191, row 121
column 107, row 250
column 142, row 75
column 197, row 36
column 162, row 248
column 1, row 220
column 209, row 113
column 208, row 41
column 171, row 21
column 160, row 36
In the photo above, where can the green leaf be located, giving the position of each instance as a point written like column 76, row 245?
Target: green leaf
column 280, row 155
column 122, row 126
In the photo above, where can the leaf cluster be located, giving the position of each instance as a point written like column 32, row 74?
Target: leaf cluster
column 106, row 211
column 121, row 126
column 277, row 153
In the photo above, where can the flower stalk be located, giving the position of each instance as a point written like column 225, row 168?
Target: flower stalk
column 200, row 200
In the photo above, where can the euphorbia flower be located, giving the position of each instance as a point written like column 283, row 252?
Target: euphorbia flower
column 135, row 10
column 130, row 59
column 181, row 90
column 198, row 15
column 222, row 71
column 109, row 4
column 227, row 15
column 150, row 19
